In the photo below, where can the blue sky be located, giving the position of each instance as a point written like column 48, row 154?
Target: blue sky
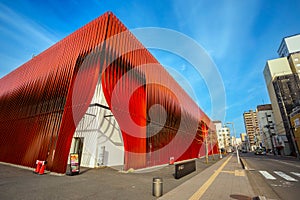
column 240, row 36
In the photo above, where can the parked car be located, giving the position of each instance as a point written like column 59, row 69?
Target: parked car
column 260, row 151
column 244, row 151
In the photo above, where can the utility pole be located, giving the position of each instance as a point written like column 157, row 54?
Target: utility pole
column 206, row 150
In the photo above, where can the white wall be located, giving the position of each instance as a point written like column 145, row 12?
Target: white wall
column 263, row 117
column 273, row 68
column 293, row 43
column 100, row 129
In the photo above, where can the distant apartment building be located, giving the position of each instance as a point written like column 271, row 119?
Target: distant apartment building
column 266, row 125
column 238, row 142
column 225, row 131
column 235, row 141
column 244, row 141
column 223, row 134
column 252, row 129
column 243, row 137
column 218, row 125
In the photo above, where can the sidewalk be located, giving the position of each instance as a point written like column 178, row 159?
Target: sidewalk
column 220, row 179
column 104, row 183
column 224, row 180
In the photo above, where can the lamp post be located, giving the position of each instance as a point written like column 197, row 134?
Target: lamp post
column 236, row 149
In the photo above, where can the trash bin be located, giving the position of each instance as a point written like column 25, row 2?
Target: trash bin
column 157, row 187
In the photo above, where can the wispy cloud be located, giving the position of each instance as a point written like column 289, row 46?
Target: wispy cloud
column 17, row 25
column 23, row 34
column 221, row 26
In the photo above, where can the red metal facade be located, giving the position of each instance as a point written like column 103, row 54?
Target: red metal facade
column 43, row 100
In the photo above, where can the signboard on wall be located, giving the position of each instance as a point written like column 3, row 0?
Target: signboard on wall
column 74, row 163
column 278, row 141
column 296, row 122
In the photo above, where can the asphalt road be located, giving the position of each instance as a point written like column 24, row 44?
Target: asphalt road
column 274, row 177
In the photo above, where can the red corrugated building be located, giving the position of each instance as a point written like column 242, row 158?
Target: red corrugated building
column 98, row 80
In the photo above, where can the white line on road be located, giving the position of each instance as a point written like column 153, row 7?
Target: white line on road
column 286, row 163
column 285, row 176
column 296, row 174
column 267, row 175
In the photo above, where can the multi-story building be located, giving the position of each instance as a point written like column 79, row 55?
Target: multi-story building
column 244, row 141
column 273, row 69
column 243, row 137
column 225, row 131
column 295, row 122
column 218, row 125
column 223, row 134
column 238, row 142
column 287, row 90
column 294, row 61
column 289, row 45
column 266, row 125
column 282, row 80
column 252, row 129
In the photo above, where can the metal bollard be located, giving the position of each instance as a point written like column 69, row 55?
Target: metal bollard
column 157, row 187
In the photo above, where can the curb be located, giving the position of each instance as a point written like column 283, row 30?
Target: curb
column 244, row 164
column 245, row 167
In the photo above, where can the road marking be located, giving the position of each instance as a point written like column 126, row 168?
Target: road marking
column 286, row 163
column 197, row 195
column 267, row 175
column 296, row 174
column 235, row 172
column 285, row 176
column 239, row 173
column 229, row 172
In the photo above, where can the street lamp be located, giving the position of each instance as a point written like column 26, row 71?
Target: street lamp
column 236, row 149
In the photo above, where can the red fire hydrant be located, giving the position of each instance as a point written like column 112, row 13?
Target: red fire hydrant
column 40, row 167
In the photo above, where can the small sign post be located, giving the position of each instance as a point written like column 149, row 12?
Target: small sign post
column 74, row 164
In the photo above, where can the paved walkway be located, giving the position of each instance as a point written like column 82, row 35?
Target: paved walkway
column 106, row 183
column 224, row 180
